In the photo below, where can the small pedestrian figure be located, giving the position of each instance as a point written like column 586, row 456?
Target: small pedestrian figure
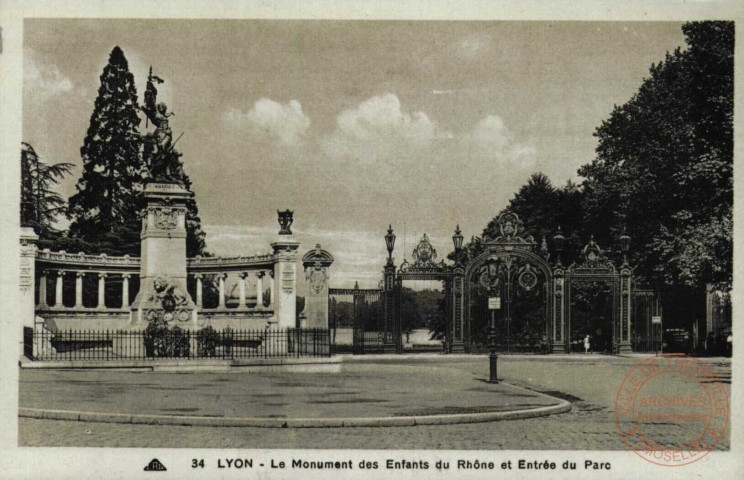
column 587, row 344
column 729, row 346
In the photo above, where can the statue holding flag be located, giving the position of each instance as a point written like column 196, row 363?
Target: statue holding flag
column 162, row 159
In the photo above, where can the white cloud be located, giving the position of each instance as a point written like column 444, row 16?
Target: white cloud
column 43, row 79
column 287, row 123
column 491, row 138
column 379, row 129
column 381, row 117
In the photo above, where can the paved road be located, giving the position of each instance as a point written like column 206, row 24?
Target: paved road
column 356, row 390
column 591, row 383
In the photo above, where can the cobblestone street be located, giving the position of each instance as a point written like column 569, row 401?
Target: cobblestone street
column 589, row 382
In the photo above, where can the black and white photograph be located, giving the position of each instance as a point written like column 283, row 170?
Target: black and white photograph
column 364, row 247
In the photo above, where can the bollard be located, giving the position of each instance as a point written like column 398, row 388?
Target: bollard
column 493, row 370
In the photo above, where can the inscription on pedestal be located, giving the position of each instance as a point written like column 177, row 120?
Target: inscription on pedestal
column 288, row 279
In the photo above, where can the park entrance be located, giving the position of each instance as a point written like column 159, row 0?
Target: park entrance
column 504, row 293
column 508, row 293
column 370, row 334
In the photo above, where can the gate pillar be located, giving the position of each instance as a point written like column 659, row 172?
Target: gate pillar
column 457, row 338
column 559, row 312
column 316, row 264
column 285, row 273
column 625, row 320
column 389, row 318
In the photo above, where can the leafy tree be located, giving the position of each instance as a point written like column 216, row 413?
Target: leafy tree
column 543, row 209
column 536, row 203
column 664, row 165
column 104, row 209
column 40, row 203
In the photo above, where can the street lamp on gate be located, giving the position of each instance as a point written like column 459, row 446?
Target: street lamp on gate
column 390, row 243
column 559, row 240
column 625, row 246
column 457, row 239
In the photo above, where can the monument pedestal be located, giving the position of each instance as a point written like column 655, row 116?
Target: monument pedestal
column 285, row 281
column 316, row 263
column 163, row 293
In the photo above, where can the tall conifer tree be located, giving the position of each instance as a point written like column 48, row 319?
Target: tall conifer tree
column 104, row 209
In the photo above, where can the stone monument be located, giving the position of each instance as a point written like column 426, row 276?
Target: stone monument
column 163, row 260
column 285, row 272
column 316, row 263
column 162, row 294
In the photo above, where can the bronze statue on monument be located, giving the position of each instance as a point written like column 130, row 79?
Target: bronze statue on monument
column 159, row 152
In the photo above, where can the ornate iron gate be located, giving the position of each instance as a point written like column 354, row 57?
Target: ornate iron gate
column 595, row 276
column 645, row 335
column 509, row 285
column 368, row 321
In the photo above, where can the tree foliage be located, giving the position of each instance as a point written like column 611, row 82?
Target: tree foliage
column 41, row 205
column 663, row 170
column 664, row 165
column 104, row 209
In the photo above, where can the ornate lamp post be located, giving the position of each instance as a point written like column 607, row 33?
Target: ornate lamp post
column 559, row 241
column 390, row 322
column 390, row 243
column 457, row 242
column 457, row 239
column 493, row 358
column 625, row 246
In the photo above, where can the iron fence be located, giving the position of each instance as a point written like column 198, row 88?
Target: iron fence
column 176, row 343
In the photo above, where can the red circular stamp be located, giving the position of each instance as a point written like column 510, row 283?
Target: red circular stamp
column 672, row 409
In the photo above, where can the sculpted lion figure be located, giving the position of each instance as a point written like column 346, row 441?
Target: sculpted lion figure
column 169, row 292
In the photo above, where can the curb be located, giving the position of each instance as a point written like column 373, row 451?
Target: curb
column 100, row 417
column 238, row 364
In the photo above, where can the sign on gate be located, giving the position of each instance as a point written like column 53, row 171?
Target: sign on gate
column 656, row 319
column 494, row 303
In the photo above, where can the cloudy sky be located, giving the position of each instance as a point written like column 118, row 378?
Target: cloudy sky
column 352, row 124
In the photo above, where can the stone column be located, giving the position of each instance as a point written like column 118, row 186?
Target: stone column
column 199, row 297
column 259, row 289
column 58, row 289
column 221, row 277
column 271, row 289
column 79, row 289
column 125, row 290
column 101, row 290
column 241, row 285
column 285, row 278
column 27, row 280
column 43, row 289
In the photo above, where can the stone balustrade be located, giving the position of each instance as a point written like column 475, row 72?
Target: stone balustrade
column 230, row 264
column 254, row 272
column 79, row 275
column 262, row 278
column 82, row 260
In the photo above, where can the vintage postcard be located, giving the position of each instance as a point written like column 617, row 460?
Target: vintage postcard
column 340, row 240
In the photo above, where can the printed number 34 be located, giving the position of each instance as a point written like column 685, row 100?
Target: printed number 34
column 197, row 463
